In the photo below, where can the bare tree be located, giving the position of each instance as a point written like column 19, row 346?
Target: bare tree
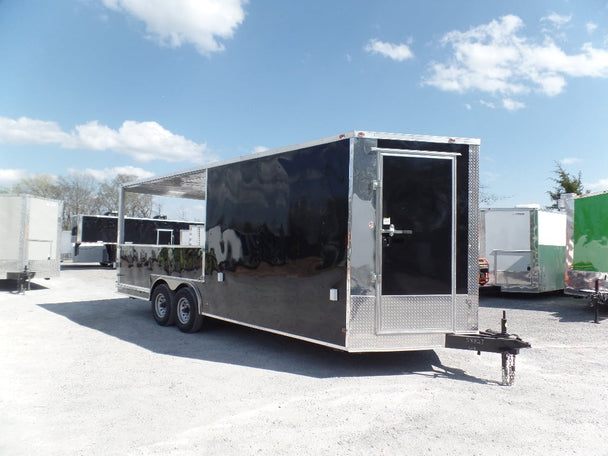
column 43, row 185
column 136, row 205
column 82, row 194
column 485, row 198
column 79, row 192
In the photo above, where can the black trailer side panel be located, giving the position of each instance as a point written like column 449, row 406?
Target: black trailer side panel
column 97, row 229
column 144, row 231
column 137, row 230
column 277, row 229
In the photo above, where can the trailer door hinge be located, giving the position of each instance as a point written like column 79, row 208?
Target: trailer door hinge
column 376, row 184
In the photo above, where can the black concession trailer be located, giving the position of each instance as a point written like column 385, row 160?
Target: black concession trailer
column 363, row 242
column 94, row 237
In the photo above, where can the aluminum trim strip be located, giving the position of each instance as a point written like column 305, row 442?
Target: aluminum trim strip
column 124, row 288
column 415, row 153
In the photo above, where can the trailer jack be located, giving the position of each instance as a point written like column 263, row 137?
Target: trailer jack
column 508, row 345
column 23, row 279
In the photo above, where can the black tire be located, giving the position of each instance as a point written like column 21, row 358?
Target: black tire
column 163, row 307
column 187, row 317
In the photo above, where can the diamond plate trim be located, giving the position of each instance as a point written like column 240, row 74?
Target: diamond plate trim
column 415, row 313
column 362, row 334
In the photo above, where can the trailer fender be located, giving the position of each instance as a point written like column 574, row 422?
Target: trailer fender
column 175, row 284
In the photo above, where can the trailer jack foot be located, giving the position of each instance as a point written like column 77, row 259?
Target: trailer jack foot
column 508, row 368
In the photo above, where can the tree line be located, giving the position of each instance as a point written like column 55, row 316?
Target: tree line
column 83, row 194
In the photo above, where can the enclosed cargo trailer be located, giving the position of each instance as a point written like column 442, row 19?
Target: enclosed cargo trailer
column 587, row 246
column 524, row 247
column 362, row 242
column 30, row 237
column 94, row 237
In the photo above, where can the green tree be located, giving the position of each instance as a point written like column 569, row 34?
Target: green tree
column 564, row 183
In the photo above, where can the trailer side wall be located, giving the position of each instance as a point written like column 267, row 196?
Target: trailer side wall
column 277, row 230
column 587, row 244
column 30, row 235
column 590, row 236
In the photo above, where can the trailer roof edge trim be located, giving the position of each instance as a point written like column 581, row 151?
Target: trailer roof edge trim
column 191, row 183
column 585, row 195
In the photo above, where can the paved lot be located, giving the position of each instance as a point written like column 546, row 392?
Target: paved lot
column 85, row 371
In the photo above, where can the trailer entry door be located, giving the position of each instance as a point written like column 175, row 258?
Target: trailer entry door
column 416, row 241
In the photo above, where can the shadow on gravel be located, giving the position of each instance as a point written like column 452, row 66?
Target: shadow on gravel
column 131, row 320
column 568, row 309
column 12, row 286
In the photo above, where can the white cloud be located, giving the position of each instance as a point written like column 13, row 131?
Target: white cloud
column 497, row 59
column 108, row 174
column 569, row 160
column 590, row 27
column 599, row 186
column 487, row 104
column 258, row 149
column 10, row 177
column 398, row 52
column 143, row 141
column 490, row 176
column 30, row 131
column 174, row 23
column 557, row 20
column 512, row 105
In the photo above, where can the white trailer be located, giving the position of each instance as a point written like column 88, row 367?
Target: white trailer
column 525, row 248
column 30, row 237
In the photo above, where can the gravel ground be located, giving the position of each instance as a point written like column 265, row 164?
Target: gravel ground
column 84, row 370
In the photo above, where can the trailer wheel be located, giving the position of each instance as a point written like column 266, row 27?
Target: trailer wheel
column 163, row 308
column 188, row 319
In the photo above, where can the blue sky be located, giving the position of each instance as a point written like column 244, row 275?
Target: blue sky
column 153, row 86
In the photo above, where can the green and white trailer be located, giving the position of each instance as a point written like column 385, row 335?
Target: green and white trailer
column 525, row 248
column 587, row 245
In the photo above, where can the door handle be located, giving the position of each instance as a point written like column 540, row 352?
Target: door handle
column 391, row 231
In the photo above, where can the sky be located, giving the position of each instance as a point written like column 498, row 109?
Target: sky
column 150, row 87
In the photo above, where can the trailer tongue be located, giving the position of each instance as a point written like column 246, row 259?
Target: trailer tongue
column 508, row 345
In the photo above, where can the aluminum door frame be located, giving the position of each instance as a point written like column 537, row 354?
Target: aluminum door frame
column 414, row 300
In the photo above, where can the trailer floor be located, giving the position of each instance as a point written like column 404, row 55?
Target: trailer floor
column 84, row 370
